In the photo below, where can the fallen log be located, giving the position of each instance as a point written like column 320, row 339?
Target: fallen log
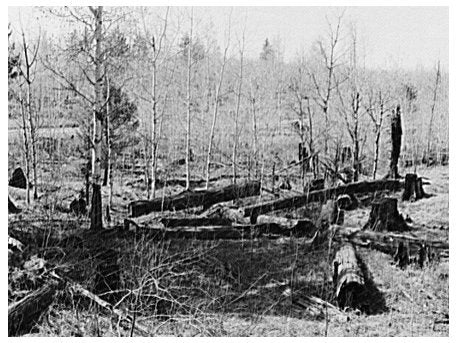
column 23, row 314
column 221, row 211
column 386, row 242
column 170, row 222
column 286, row 226
column 190, row 199
column 215, row 232
column 200, row 233
column 322, row 196
column 347, row 276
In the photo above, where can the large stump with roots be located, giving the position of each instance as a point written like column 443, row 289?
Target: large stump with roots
column 348, row 278
column 413, row 188
column 384, row 216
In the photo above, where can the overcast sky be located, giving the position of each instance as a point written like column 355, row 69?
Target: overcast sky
column 406, row 37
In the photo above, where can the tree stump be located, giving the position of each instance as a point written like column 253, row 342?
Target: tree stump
column 317, row 184
column 384, row 216
column 348, row 278
column 413, row 188
column 12, row 207
column 402, row 255
column 18, row 179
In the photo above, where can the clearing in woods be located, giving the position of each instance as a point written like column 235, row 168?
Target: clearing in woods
column 250, row 287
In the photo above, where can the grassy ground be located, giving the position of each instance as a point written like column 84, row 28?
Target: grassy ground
column 243, row 288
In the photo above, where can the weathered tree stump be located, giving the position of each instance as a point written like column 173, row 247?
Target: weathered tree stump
column 384, row 216
column 410, row 186
column 78, row 207
column 348, row 278
column 413, row 188
column 401, row 255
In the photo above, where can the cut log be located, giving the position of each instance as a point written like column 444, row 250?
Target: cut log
column 194, row 222
column 348, row 277
column 221, row 211
column 386, row 242
column 12, row 207
column 24, row 314
column 286, row 226
column 384, row 216
column 190, row 199
column 215, row 232
column 322, row 195
column 154, row 221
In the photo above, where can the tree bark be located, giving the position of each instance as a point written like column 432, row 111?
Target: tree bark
column 396, row 133
column 96, row 217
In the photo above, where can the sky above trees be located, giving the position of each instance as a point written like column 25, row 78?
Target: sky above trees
column 391, row 37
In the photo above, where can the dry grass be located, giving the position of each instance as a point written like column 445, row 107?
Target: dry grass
column 247, row 288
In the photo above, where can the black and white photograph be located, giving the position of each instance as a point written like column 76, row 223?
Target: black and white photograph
column 228, row 171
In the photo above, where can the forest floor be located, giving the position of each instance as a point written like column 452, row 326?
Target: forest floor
column 241, row 288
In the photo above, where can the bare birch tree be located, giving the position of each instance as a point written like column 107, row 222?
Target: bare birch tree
column 216, row 104
column 237, row 108
column 28, row 68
